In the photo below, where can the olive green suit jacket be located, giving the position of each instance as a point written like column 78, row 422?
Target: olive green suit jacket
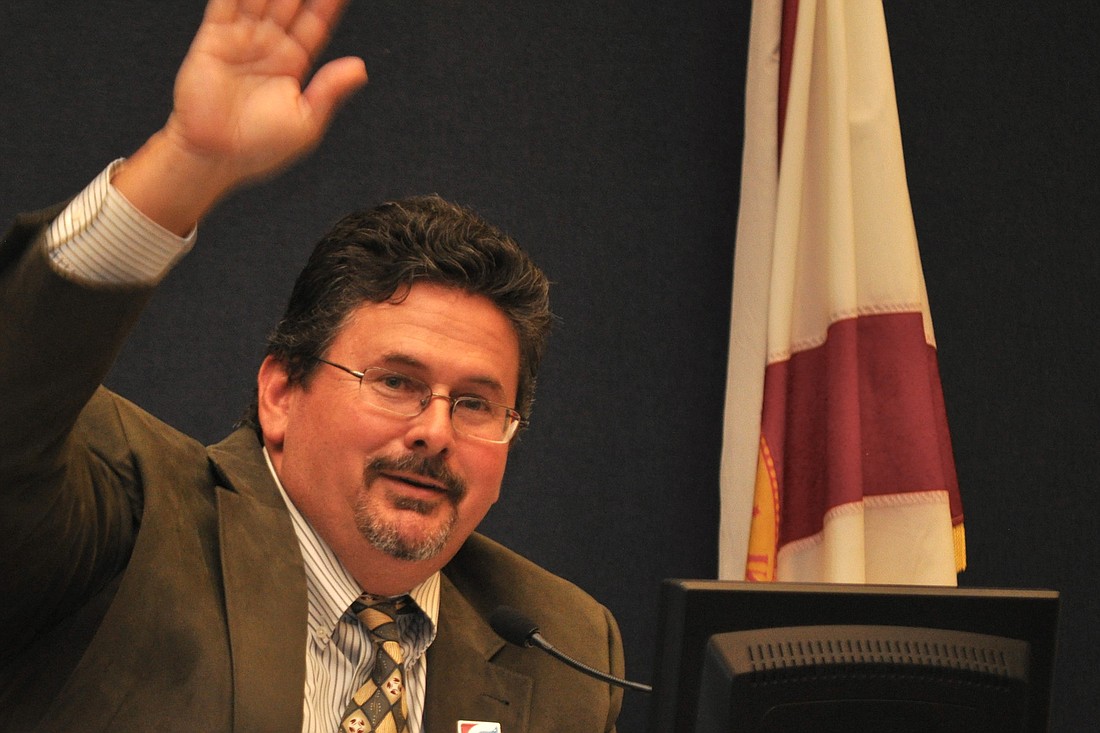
column 150, row 582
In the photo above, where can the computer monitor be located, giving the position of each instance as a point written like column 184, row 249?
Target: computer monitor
column 736, row 656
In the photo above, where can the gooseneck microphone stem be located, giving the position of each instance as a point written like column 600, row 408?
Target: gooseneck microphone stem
column 515, row 628
column 537, row 639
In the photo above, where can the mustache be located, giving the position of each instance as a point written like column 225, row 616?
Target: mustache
column 432, row 468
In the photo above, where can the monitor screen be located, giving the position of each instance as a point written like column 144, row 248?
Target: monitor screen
column 763, row 657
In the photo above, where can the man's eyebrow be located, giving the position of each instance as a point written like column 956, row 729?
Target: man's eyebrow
column 490, row 382
column 398, row 359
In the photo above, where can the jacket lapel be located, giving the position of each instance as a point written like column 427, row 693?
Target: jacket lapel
column 463, row 682
column 265, row 590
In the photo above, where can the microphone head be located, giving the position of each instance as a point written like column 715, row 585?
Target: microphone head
column 512, row 626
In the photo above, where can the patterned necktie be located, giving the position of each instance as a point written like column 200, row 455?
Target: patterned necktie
column 379, row 705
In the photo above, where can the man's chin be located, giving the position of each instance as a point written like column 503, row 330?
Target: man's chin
column 401, row 548
column 411, row 535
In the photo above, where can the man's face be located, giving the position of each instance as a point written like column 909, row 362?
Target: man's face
column 389, row 492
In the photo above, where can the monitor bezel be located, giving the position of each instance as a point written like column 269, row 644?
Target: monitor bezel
column 692, row 610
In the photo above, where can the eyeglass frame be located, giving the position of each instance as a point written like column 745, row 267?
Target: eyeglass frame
column 518, row 420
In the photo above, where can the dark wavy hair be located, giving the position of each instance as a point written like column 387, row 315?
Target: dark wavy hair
column 371, row 256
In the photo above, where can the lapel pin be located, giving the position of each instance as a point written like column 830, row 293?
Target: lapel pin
column 477, row 726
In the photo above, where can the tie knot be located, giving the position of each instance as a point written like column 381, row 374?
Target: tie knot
column 379, row 615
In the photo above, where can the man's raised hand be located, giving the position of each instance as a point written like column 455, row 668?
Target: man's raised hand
column 240, row 111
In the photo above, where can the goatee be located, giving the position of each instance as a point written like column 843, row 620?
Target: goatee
column 386, row 535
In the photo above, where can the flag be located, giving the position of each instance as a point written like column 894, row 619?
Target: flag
column 837, row 463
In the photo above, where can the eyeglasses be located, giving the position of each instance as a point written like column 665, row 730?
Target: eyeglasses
column 474, row 417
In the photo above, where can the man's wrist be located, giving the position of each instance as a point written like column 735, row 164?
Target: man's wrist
column 172, row 186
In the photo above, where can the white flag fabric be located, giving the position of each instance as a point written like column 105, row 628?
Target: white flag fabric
column 837, row 462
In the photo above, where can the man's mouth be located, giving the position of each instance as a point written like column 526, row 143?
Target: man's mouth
column 418, row 473
column 420, row 482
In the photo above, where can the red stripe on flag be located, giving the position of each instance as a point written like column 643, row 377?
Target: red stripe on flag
column 860, row 415
column 786, row 53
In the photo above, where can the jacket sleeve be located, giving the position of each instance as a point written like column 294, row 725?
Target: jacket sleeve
column 68, row 505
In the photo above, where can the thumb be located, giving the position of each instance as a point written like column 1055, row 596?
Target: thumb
column 331, row 86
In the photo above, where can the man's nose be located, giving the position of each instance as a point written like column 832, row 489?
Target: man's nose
column 432, row 431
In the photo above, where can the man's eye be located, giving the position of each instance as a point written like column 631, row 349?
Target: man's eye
column 476, row 405
column 395, row 383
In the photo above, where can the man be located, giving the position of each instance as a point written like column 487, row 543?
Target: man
column 151, row 582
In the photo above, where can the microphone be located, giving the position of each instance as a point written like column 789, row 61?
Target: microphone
column 515, row 628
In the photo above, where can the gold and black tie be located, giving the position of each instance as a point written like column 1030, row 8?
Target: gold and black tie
column 379, row 706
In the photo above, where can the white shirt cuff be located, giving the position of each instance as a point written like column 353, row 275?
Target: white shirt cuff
column 100, row 237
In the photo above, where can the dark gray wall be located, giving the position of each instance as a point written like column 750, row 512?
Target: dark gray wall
column 1000, row 106
column 606, row 137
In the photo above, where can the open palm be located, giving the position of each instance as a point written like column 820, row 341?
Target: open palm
column 239, row 98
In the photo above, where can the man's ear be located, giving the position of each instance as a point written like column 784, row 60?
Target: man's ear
column 274, row 394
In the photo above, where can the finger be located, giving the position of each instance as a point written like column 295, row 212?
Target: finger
column 220, row 11
column 328, row 11
column 314, row 23
column 252, row 8
column 282, row 12
column 331, row 86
